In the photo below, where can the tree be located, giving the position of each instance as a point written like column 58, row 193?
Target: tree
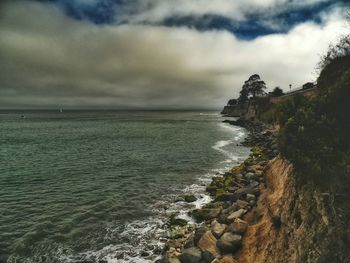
column 277, row 92
column 243, row 95
column 252, row 87
column 340, row 49
column 232, row 102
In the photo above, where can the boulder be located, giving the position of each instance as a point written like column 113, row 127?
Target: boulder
column 208, row 244
column 242, row 204
column 236, row 214
column 217, row 229
column 177, row 221
column 177, row 232
column 222, row 219
column 191, row 255
column 173, row 260
column 198, row 234
column 224, row 197
column 239, row 176
column 239, row 226
column 226, row 259
column 229, row 242
column 251, row 176
column 234, row 207
column 254, row 184
column 247, row 190
column 162, row 260
column 189, row 242
column 216, row 205
column 256, row 168
column 250, row 197
column 232, row 189
column 207, row 257
column 206, row 214
column 190, row 198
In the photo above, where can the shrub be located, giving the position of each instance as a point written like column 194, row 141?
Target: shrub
column 315, row 132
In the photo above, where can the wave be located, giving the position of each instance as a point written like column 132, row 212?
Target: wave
column 219, row 146
column 143, row 240
column 209, row 114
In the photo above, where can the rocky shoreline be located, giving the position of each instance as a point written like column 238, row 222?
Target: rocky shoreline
column 221, row 224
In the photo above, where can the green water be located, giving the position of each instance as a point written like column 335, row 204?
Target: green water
column 95, row 185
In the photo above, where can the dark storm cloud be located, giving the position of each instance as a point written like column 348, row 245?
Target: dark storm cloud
column 49, row 59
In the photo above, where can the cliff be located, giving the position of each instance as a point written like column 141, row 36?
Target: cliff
column 294, row 222
column 246, row 110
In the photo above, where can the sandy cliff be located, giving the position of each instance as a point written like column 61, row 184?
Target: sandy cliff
column 293, row 223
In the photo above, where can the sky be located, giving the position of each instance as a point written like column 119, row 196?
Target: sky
column 158, row 54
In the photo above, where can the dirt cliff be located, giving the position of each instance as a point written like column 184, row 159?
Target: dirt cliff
column 295, row 222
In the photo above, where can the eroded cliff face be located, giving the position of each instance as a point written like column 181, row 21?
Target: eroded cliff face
column 294, row 223
column 246, row 110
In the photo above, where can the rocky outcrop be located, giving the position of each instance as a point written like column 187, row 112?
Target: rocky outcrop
column 248, row 110
column 236, row 110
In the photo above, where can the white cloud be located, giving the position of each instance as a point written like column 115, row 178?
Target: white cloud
column 48, row 59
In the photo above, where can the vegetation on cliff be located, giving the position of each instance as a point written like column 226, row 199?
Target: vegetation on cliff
column 315, row 134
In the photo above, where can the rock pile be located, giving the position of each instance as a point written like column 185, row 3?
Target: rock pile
column 221, row 225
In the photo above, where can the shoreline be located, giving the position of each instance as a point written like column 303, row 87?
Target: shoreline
column 220, row 225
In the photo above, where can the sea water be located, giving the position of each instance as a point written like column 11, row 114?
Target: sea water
column 98, row 186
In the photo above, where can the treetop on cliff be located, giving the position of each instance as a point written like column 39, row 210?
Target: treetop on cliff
column 252, row 87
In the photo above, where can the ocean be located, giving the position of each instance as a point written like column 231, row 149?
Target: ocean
column 98, row 186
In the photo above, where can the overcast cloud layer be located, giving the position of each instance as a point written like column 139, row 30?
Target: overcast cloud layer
column 48, row 59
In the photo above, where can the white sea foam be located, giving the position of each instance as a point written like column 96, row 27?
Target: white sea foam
column 144, row 236
column 230, row 127
column 209, row 114
column 219, row 146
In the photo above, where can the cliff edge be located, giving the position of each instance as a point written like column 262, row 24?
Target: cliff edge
column 294, row 223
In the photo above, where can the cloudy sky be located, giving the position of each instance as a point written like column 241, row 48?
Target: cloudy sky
column 168, row 54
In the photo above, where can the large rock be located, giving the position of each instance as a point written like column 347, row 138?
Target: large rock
column 222, row 219
column 206, row 214
column 174, row 221
column 223, row 197
column 239, row 226
column 174, row 260
column 217, row 229
column 254, row 184
column 189, row 242
column 225, row 259
column 207, row 257
column 242, row 204
column 232, row 197
column 190, row 198
column 208, row 244
column 229, row 243
column 234, row 207
column 251, row 176
column 250, row 197
column 177, row 232
column 191, row 255
column 247, row 190
column 231, row 218
column 198, row 234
